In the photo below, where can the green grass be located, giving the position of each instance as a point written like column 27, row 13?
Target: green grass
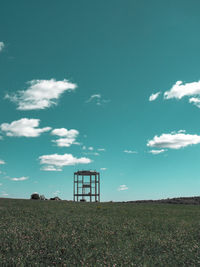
column 47, row 233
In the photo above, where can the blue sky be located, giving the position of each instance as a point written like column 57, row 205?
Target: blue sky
column 111, row 86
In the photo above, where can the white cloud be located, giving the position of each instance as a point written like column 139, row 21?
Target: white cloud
column 40, row 94
column 174, row 140
column 23, row 127
column 97, row 98
column 180, row 90
column 64, row 142
column 4, row 194
column 84, row 147
column 122, row 187
column 90, row 148
column 62, row 132
column 91, row 153
column 51, row 168
column 154, row 96
column 58, row 161
column 1, row 184
column 57, row 192
column 101, row 149
column 19, row 179
column 69, row 137
column 156, row 152
column 103, row 169
column 195, row 101
column 130, row 152
column 2, row 162
column 2, row 45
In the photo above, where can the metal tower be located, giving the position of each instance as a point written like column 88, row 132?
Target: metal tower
column 87, row 186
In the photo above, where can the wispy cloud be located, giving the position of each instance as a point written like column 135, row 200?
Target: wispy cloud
column 101, row 149
column 40, row 94
column 23, row 178
column 130, row 151
column 122, row 187
column 91, row 153
column 174, row 140
column 2, row 45
column 68, row 137
column 23, row 128
column 103, row 169
column 51, row 168
column 57, row 192
column 55, row 162
column 156, row 152
column 195, row 101
column 154, row 96
column 97, row 99
column 2, row 162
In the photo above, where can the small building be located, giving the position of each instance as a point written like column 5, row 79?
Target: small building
column 87, row 186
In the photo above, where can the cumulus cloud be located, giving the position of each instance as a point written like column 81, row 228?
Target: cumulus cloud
column 180, row 90
column 55, row 162
column 174, row 140
column 90, row 148
column 40, row 94
column 62, row 132
column 130, row 152
column 122, row 187
column 2, row 162
column 2, row 45
column 156, row 152
column 97, row 98
column 24, row 127
column 68, row 137
column 23, row 178
column 154, row 96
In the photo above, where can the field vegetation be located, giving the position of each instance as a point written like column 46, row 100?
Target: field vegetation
column 61, row 233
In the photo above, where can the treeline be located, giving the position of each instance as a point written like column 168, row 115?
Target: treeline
column 176, row 200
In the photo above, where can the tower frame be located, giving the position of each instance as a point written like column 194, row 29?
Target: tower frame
column 87, row 185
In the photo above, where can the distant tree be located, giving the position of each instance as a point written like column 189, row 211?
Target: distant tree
column 42, row 197
column 35, row 196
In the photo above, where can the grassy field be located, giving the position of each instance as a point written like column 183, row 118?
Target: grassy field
column 47, row 233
